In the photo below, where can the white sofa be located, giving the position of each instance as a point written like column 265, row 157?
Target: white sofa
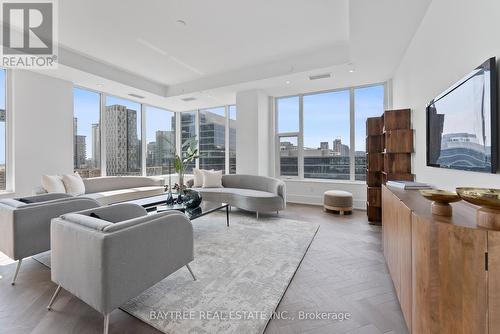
column 116, row 189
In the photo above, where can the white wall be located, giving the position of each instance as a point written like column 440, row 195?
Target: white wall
column 41, row 111
column 311, row 191
column 253, row 133
column 454, row 37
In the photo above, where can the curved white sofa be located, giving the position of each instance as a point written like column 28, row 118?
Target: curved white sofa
column 116, row 189
column 247, row 192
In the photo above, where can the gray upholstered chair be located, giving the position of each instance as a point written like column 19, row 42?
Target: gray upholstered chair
column 111, row 254
column 25, row 223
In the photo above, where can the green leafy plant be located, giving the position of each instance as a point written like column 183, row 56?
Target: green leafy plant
column 189, row 154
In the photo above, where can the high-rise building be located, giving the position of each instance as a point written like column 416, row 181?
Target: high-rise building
column 96, row 145
column 123, row 149
column 165, row 142
column 212, row 141
column 340, row 149
column 79, row 147
column 324, row 145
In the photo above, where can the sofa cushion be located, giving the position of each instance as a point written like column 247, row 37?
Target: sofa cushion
column 106, row 183
column 247, row 199
column 212, row 179
column 73, row 184
column 122, row 195
column 53, row 184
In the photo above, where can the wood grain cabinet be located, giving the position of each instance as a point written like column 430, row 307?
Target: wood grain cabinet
column 446, row 270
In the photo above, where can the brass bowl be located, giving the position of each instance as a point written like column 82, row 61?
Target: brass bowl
column 441, row 196
column 485, row 197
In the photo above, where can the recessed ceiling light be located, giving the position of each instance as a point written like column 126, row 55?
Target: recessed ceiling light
column 352, row 70
column 181, row 22
column 136, row 95
column 320, row 76
column 288, row 82
column 188, row 99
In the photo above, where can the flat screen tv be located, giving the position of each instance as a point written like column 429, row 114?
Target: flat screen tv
column 462, row 123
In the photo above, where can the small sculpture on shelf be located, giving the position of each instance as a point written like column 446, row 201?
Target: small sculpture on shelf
column 488, row 199
column 441, row 200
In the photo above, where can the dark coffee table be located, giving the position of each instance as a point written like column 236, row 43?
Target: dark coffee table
column 158, row 204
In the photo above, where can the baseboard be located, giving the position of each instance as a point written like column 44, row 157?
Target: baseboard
column 359, row 204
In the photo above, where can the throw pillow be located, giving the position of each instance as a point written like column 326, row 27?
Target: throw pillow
column 197, row 177
column 53, row 184
column 212, row 179
column 74, row 184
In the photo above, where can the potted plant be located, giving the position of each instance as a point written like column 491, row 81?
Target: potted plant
column 189, row 154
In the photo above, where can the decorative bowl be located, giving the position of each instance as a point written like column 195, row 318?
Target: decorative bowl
column 441, row 196
column 441, row 200
column 485, row 197
column 192, row 198
column 488, row 216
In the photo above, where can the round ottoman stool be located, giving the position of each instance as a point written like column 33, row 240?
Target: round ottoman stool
column 338, row 200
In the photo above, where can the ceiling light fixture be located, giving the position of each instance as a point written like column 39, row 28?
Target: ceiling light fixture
column 288, row 82
column 320, row 76
column 136, row 96
column 352, row 70
column 188, row 99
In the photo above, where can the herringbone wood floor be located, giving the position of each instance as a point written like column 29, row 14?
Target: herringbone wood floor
column 343, row 271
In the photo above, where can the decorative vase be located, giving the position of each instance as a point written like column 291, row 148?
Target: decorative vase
column 170, row 198
column 192, row 198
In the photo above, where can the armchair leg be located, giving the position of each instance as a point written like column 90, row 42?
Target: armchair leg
column 257, row 215
column 17, row 271
column 53, row 299
column 191, row 272
column 106, row 323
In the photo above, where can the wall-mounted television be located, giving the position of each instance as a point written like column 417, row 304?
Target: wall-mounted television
column 462, row 123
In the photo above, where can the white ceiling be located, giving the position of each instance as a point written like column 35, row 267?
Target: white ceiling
column 126, row 46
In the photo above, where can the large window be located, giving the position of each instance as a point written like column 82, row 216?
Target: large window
column 322, row 135
column 115, row 124
column 87, row 133
column 160, row 141
column 327, row 135
column 213, row 138
column 122, row 121
column 368, row 102
column 2, row 130
column 188, row 131
column 232, row 139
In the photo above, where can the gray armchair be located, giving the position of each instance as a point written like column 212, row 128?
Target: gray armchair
column 25, row 223
column 109, row 255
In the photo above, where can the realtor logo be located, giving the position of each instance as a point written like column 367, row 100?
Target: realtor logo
column 29, row 34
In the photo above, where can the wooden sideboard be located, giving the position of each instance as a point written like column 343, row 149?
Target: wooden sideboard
column 446, row 270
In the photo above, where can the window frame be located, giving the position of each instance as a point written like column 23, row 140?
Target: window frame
column 300, row 133
column 142, row 112
column 8, row 135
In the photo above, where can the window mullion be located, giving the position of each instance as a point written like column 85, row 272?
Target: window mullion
column 143, row 140
column 352, row 154
column 300, row 139
column 226, row 139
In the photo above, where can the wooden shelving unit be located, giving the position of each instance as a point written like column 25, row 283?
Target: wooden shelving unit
column 389, row 145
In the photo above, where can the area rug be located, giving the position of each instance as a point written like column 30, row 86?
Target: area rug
column 242, row 273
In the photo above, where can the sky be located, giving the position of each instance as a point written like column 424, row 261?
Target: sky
column 326, row 115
